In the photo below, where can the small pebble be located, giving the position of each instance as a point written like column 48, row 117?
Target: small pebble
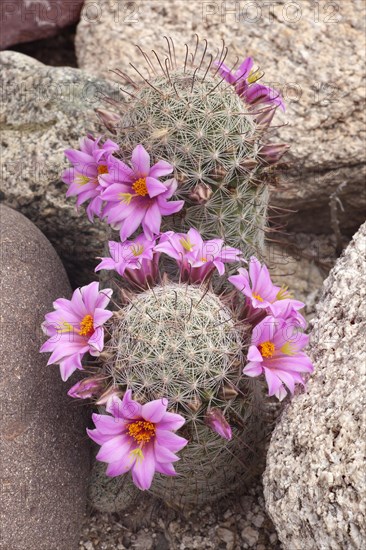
column 250, row 535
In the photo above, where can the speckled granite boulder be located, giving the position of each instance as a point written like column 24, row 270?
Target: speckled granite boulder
column 325, row 118
column 26, row 20
column 44, row 111
column 315, row 485
column 44, row 453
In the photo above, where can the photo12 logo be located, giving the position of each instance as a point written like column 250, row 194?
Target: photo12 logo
column 269, row 11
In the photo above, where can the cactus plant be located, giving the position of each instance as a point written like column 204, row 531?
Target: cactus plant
column 174, row 368
column 181, row 341
column 215, row 141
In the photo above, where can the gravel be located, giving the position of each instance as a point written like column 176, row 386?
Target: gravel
column 238, row 523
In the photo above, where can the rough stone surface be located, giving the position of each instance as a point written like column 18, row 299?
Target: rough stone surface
column 45, row 110
column 26, row 20
column 233, row 525
column 315, row 485
column 319, row 79
column 44, row 455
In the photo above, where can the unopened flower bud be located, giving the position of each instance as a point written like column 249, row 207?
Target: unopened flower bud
column 86, row 388
column 272, row 152
column 217, row 422
column 109, row 119
column 201, row 193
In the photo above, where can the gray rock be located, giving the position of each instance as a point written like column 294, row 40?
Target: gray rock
column 314, row 482
column 27, row 20
column 44, row 455
column 44, row 111
column 318, row 79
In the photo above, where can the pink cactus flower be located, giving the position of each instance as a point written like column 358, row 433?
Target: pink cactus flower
column 76, row 327
column 135, row 260
column 218, row 423
column 256, row 284
column 245, row 81
column 139, row 438
column 84, row 178
column 135, row 196
column 197, row 259
column 275, row 350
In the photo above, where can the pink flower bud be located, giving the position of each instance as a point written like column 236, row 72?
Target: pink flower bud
column 109, row 119
column 217, row 422
column 86, row 388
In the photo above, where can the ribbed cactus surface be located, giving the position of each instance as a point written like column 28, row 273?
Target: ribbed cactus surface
column 189, row 116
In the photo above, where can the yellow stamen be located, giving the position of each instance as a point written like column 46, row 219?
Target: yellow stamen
column 288, row 349
column 137, row 249
column 142, row 431
column 140, row 187
column 258, row 297
column 254, row 75
column 86, row 326
column 203, row 259
column 125, row 197
column 138, row 453
column 284, row 293
column 66, row 328
column 102, row 169
column 82, row 180
column 186, row 243
column 267, row 349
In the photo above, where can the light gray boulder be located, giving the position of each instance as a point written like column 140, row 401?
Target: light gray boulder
column 314, row 484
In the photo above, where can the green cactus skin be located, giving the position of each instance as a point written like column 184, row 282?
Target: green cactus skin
column 181, row 342
column 193, row 119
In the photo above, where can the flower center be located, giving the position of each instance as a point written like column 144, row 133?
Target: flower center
column 187, row 245
column 102, row 169
column 203, row 259
column 141, row 431
column 86, row 326
column 137, row 249
column 140, row 187
column 258, row 297
column 267, row 349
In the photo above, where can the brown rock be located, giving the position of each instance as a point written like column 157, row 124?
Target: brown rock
column 310, row 51
column 44, row 457
column 26, row 20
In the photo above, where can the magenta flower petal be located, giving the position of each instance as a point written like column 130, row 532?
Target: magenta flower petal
column 154, row 187
column 140, row 161
column 144, row 469
column 254, row 354
column 154, row 410
column 170, row 440
column 171, row 421
column 132, row 222
column 164, row 455
column 253, row 369
column 114, row 449
column 160, row 169
column 166, row 469
column 152, row 220
column 70, row 365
